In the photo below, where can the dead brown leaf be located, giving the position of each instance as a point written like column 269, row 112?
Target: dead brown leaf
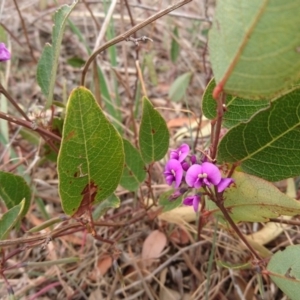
column 153, row 246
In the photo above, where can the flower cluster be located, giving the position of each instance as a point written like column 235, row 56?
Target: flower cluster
column 4, row 53
column 195, row 175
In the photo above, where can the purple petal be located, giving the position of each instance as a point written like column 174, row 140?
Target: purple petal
column 169, row 179
column 193, row 159
column 224, row 183
column 4, row 53
column 178, row 177
column 188, row 201
column 173, row 166
column 185, row 165
column 181, row 153
column 174, row 154
column 191, row 176
column 213, row 173
column 196, row 202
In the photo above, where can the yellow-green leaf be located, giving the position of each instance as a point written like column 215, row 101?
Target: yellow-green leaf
column 252, row 199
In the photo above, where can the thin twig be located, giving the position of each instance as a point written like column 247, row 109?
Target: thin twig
column 92, row 15
column 25, row 31
column 30, row 125
column 237, row 230
column 128, row 33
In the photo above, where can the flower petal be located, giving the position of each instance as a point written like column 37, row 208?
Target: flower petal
column 213, row 173
column 185, row 165
column 188, row 201
column 4, row 53
column 196, row 202
column 191, row 176
column 173, row 172
column 183, row 151
column 178, row 177
column 224, row 183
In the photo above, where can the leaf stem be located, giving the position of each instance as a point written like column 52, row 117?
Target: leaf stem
column 221, row 206
column 216, row 128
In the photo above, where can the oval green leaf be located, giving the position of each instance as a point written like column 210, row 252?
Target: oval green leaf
column 254, row 46
column 153, row 135
column 252, row 199
column 179, row 87
column 13, row 189
column 268, row 145
column 91, row 157
column 284, row 270
column 237, row 109
column 10, row 218
column 134, row 171
column 175, row 47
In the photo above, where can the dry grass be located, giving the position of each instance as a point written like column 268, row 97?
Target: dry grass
column 185, row 268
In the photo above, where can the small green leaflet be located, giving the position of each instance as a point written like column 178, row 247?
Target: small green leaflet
column 13, row 189
column 153, row 135
column 179, row 87
column 134, row 172
column 47, row 65
column 10, row 219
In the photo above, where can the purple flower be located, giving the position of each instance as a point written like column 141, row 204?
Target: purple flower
column 177, row 194
column 181, row 153
column 185, row 165
column 193, row 159
column 205, row 174
column 173, row 172
column 223, row 184
column 4, row 53
column 192, row 200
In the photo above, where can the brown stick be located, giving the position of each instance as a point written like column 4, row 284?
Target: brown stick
column 128, row 33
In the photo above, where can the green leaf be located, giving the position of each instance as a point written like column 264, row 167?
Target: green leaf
column 252, row 199
column 268, row 145
column 175, row 46
column 179, row 87
column 13, row 189
column 237, row 109
column 284, row 270
column 254, row 47
column 134, row 171
column 47, row 65
column 166, row 203
column 149, row 62
column 153, row 135
column 239, row 266
column 76, row 62
column 91, row 157
column 10, row 219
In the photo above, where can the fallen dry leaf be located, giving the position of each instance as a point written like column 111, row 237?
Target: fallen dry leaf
column 179, row 236
column 104, row 264
column 153, row 246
